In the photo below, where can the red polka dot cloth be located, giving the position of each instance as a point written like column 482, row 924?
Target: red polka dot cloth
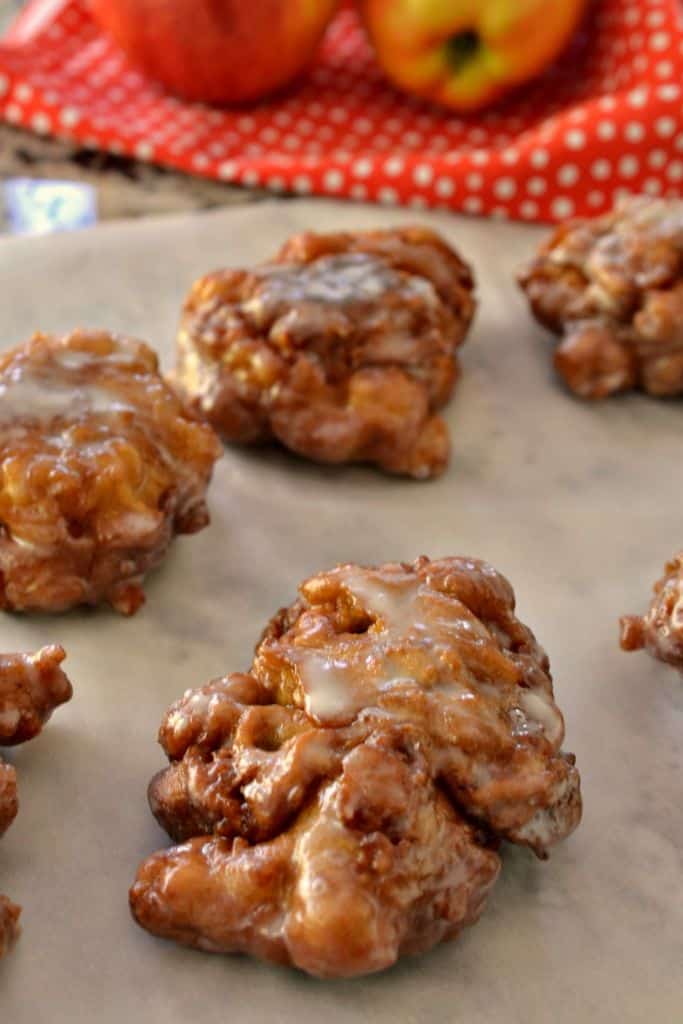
column 606, row 119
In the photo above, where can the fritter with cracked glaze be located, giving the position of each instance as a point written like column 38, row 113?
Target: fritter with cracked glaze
column 660, row 630
column 343, row 348
column 100, row 465
column 612, row 288
column 341, row 805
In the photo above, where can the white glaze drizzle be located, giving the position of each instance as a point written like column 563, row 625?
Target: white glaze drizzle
column 39, row 398
column 336, row 280
column 75, row 359
column 330, row 683
column 328, row 687
column 332, row 689
column 54, row 388
column 539, row 707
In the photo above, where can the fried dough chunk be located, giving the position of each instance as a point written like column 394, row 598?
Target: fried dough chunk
column 31, row 687
column 612, row 288
column 340, row 805
column 9, row 924
column 9, row 802
column 342, row 349
column 378, row 865
column 100, row 465
column 660, row 630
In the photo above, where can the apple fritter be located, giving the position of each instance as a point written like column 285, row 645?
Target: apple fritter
column 612, row 288
column 31, row 687
column 342, row 349
column 100, row 465
column 660, row 630
column 397, row 723
column 9, row 924
column 9, row 802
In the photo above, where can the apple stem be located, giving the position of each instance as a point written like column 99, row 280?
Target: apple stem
column 461, row 48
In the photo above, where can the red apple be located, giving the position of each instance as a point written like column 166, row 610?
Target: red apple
column 217, row 51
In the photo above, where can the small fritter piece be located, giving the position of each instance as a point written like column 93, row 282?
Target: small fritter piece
column 9, row 924
column 396, row 724
column 660, row 630
column 612, row 288
column 9, row 805
column 342, row 348
column 31, row 687
column 9, row 802
column 100, row 465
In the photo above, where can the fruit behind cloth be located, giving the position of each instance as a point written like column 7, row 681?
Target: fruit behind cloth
column 465, row 54
column 217, row 51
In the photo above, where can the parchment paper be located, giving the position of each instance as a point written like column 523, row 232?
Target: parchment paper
column 578, row 504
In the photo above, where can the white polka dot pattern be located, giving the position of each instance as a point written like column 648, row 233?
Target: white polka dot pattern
column 605, row 120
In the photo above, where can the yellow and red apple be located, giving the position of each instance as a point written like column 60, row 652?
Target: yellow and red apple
column 467, row 53
column 217, row 51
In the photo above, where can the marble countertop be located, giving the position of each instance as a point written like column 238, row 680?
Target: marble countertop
column 577, row 503
column 124, row 188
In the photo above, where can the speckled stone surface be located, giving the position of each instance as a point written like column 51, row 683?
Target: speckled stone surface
column 125, row 188
column 578, row 504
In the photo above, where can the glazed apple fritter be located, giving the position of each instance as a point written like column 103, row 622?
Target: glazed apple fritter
column 660, row 630
column 100, row 466
column 9, row 924
column 341, row 805
column 9, row 802
column 612, row 288
column 342, row 349
column 31, row 687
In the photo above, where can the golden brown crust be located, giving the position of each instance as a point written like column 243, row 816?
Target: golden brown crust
column 336, row 894
column 660, row 630
column 9, row 801
column 397, row 723
column 342, row 348
column 612, row 287
column 31, row 687
column 9, row 924
column 99, row 466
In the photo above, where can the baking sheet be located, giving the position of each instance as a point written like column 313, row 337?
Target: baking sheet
column 578, row 504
